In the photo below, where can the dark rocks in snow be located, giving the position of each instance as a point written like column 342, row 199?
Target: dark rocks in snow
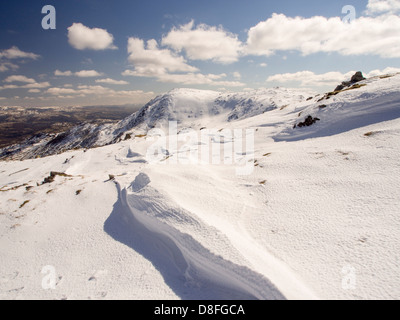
column 344, row 84
column 357, row 77
column 53, row 175
column 309, row 121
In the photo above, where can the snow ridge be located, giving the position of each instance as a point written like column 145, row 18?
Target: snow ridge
column 189, row 268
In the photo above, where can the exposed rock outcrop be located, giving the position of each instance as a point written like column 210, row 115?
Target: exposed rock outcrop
column 357, row 77
column 309, row 121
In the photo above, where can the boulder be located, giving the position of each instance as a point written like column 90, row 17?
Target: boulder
column 357, row 77
column 309, row 121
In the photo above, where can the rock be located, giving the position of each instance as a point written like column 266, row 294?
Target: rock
column 309, row 121
column 344, row 84
column 357, row 77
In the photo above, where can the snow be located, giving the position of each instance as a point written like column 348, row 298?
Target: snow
column 316, row 218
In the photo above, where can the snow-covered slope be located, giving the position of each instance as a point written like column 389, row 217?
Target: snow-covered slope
column 317, row 217
column 369, row 101
column 190, row 108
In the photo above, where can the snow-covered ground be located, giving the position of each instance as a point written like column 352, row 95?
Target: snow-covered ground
column 316, row 217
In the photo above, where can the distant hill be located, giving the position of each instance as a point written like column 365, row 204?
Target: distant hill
column 20, row 123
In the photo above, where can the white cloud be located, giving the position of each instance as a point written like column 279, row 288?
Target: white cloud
column 309, row 78
column 30, row 83
column 187, row 78
column 263, row 65
column 199, row 79
column 61, row 91
column 62, row 73
column 112, row 81
column 366, row 35
column 166, row 66
column 98, row 95
column 33, row 90
column 81, row 74
column 37, row 85
column 204, row 43
column 383, row 6
column 5, row 66
column 377, row 72
column 9, row 86
column 88, row 74
column 15, row 53
column 34, row 85
column 18, row 78
column 82, row 37
column 153, row 60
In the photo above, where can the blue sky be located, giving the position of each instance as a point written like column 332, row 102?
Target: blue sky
column 118, row 52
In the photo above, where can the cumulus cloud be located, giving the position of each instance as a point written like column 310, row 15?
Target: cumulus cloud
column 98, row 94
column 5, row 66
column 188, row 78
column 61, row 91
column 37, row 85
column 18, row 78
column 29, row 83
column 309, row 78
column 383, row 6
column 388, row 70
column 88, row 74
column 151, row 61
column 15, row 53
column 366, row 35
column 154, row 60
column 82, row 38
column 112, row 81
column 34, row 85
column 204, row 43
column 199, row 79
column 81, row 74
column 85, row 90
column 63, row 73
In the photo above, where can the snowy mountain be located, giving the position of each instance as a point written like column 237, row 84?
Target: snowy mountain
column 190, row 108
column 316, row 217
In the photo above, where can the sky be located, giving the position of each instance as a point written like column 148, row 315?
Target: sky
column 103, row 52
